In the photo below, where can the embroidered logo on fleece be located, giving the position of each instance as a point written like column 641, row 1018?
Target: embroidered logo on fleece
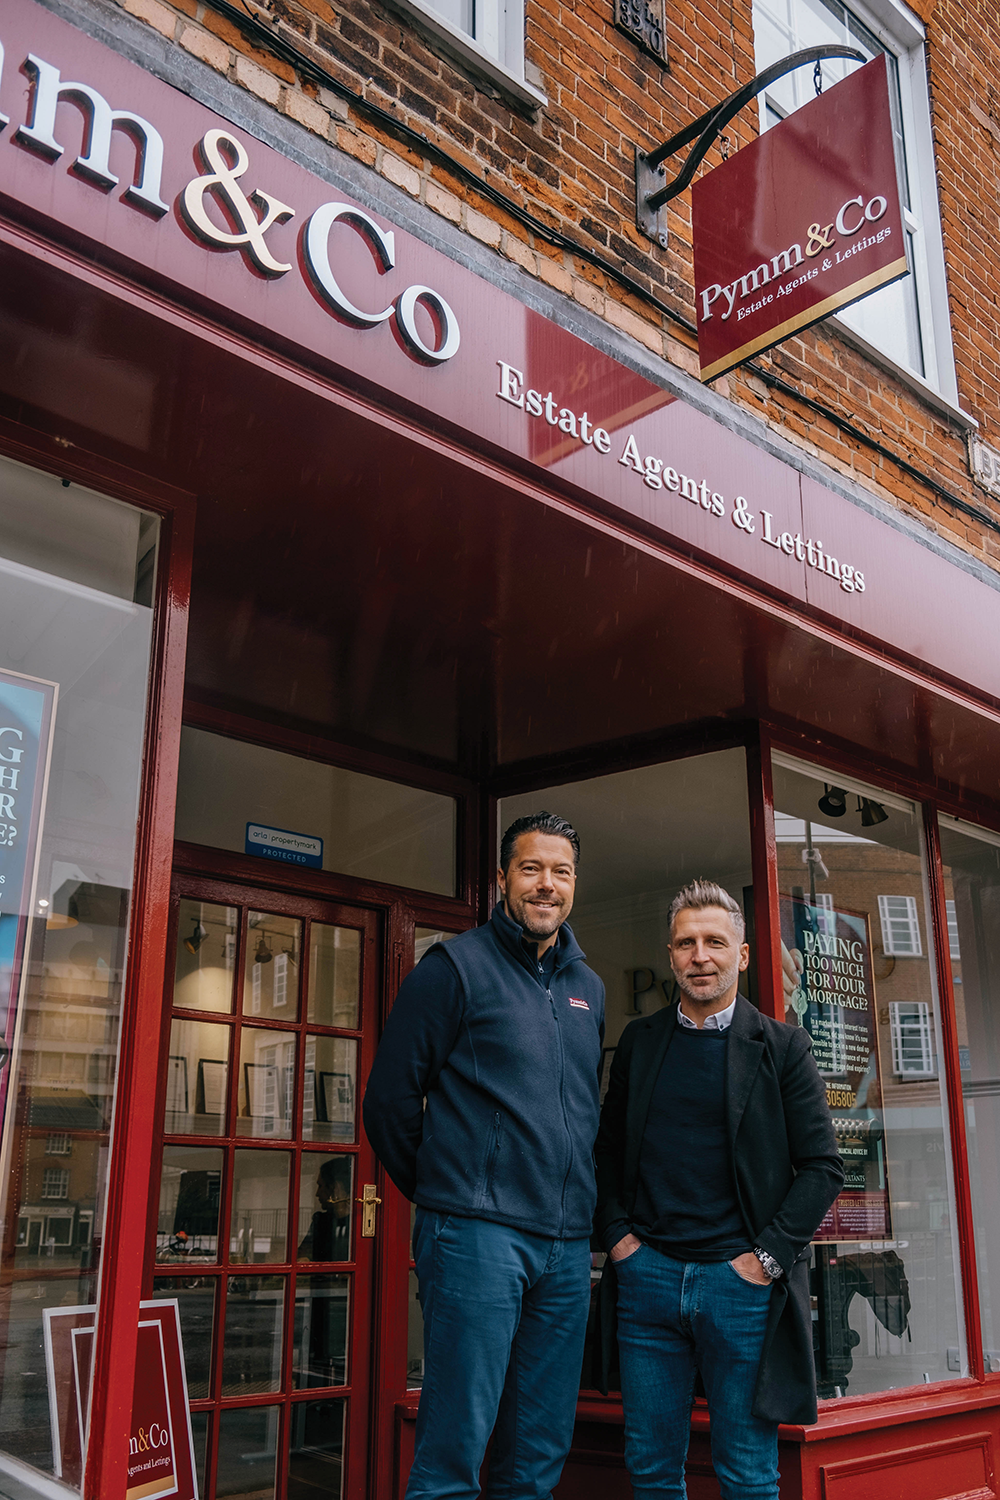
column 580, row 1004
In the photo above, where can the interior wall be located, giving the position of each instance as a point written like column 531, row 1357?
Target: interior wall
column 644, row 834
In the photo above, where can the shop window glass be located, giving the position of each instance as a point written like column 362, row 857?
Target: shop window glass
column 259, row 1224
column 971, row 859
column 271, row 967
column 206, row 956
column 251, row 1353
column 900, row 926
column 371, row 829
column 195, row 1298
column 316, row 1450
column 267, row 1083
column 912, row 1040
column 320, row 1347
column 334, row 976
column 199, row 1432
column 76, row 573
column 326, row 1203
column 886, row 1267
column 329, row 1098
column 187, row 1228
column 644, row 834
column 248, row 1453
column 197, row 1078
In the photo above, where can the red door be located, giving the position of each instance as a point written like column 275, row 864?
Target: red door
column 263, row 1234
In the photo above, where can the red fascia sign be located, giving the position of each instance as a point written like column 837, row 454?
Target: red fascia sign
column 161, row 1444
column 800, row 223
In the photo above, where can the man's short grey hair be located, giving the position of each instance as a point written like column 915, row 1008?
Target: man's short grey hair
column 701, row 893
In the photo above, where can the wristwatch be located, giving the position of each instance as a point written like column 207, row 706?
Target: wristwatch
column 771, row 1266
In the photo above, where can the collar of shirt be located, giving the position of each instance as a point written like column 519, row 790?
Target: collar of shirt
column 720, row 1021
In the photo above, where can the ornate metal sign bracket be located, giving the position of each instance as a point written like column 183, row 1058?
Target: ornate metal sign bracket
column 652, row 194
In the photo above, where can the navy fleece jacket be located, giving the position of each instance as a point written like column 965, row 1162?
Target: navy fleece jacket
column 508, row 1061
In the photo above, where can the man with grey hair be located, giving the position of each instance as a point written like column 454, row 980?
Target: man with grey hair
column 716, row 1161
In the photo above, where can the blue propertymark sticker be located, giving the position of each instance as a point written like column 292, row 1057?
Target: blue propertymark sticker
column 281, row 843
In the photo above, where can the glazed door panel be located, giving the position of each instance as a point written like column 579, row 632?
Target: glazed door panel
column 262, row 1233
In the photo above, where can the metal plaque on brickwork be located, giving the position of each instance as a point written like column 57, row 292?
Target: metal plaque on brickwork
column 644, row 22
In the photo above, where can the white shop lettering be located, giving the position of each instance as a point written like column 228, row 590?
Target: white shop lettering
column 250, row 215
column 657, row 474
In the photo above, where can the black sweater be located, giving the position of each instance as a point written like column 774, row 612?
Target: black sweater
column 686, row 1200
column 509, row 1062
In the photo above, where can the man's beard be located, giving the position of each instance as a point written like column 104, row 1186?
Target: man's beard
column 724, row 981
column 534, row 923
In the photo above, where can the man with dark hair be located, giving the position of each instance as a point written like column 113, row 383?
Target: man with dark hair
column 716, row 1161
column 500, row 1031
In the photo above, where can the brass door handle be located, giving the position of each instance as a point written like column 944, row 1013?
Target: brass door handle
column 369, row 1202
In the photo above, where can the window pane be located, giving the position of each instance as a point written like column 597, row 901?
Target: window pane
column 972, row 876
column 267, row 1083
column 197, row 1078
column 259, row 1225
column 199, row 1431
column 329, row 1099
column 316, row 1450
column 321, row 1323
column 271, row 969
column 248, row 1452
column 372, row 829
column 76, row 570
column 326, row 1204
column 886, row 1260
column 196, row 1304
column 190, row 1193
column 334, row 976
column 206, row 956
column 251, row 1359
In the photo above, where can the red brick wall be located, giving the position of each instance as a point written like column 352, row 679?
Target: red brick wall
column 570, row 166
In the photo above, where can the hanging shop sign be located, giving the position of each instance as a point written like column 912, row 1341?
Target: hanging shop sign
column 161, row 1457
column 800, row 223
column 27, row 713
column 834, row 1001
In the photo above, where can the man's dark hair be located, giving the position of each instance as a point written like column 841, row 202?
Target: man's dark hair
column 539, row 822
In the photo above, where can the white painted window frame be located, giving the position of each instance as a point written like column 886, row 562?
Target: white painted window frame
column 57, row 1178
column 498, row 50
column 907, row 1028
column 889, row 915
column 903, row 33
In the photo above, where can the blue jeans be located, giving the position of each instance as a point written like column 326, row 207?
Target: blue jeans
column 676, row 1318
column 505, row 1315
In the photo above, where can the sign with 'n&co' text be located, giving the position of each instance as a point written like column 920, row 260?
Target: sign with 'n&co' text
column 800, row 223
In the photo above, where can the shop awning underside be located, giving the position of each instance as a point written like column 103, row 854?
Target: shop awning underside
column 360, row 580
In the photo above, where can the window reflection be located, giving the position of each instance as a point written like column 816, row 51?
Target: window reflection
column 267, row 1083
column 271, row 967
column 251, row 1357
column 259, row 1224
column 190, row 1193
column 206, row 956
column 316, row 1450
column 326, row 1205
column 971, row 859
column 859, row 974
column 334, row 976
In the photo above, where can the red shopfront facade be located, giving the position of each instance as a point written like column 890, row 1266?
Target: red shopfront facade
column 333, row 554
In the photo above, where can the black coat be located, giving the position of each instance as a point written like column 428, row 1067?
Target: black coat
column 785, row 1165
